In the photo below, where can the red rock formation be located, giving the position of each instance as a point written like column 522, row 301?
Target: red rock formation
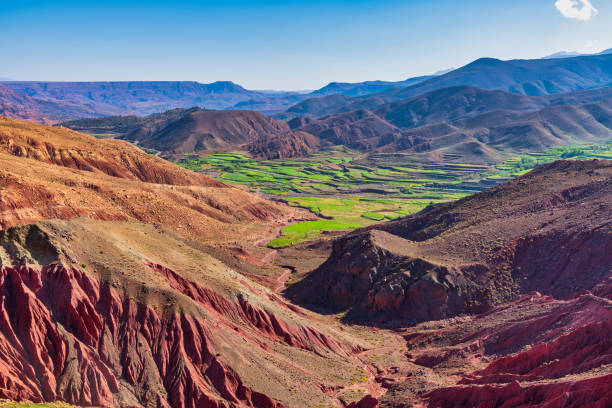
column 267, row 323
column 66, row 336
column 589, row 393
column 533, row 352
column 366, row 402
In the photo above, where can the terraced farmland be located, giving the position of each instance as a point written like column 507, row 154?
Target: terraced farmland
column 348, row 189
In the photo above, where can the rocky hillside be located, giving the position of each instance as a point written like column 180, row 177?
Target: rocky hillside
column 477, row 124
column 512, row 286
column 128, row 281
column 116, row 314
column 530, row 352
column 479, row 252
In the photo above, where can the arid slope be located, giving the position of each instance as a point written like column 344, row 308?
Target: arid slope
column 128, row 281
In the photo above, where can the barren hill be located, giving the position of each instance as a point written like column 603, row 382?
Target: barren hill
column 178, row 132
column 53, row 172
column 478, row 252
column 479, row 125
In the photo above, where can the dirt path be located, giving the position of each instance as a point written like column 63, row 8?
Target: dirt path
column 269, row 257
column 281, row 281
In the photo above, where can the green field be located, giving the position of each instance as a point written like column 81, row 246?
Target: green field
column 349, row 189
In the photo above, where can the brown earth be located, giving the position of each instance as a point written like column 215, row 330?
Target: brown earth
column 58, row 173
column 181, row 132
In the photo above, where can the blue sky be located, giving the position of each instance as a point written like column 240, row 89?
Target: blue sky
column 292, row 45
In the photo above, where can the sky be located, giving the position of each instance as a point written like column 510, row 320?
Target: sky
column 285, row 45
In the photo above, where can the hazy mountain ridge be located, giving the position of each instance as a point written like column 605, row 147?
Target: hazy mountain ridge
column 528, row 77
column 367, row 87
column 139, row 98
column 478, row 124
column 57, row 101
column 571, row 54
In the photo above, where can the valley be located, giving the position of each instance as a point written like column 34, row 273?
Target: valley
column 349, row 189
column 424, row 241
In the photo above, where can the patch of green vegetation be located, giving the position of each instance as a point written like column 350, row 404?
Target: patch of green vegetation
column 520, row 165
column 351, row 190
column 374, row 216
column 307, row 230
column 147, row 150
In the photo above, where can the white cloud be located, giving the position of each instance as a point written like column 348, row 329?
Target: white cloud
column 579, row 9
column 589, row 44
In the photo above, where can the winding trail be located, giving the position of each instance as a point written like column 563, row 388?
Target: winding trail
column 281, row 281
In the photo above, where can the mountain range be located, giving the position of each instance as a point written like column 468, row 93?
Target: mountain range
column 136, row 98
column 479, row 125
column 60, row 101
column 476, row 124
column 526, row 77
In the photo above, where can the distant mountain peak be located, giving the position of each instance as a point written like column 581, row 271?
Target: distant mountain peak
column 571, row 54
column 443, row 71
column 227, row 86
column 486, row 60
column 563, row 54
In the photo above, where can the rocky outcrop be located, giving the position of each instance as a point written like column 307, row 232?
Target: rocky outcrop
column 366, row 402
column 532, row 352
column 372, row 274
column 593, row 393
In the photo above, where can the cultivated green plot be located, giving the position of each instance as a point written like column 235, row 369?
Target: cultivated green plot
column 308, row 230
column 350, row 190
